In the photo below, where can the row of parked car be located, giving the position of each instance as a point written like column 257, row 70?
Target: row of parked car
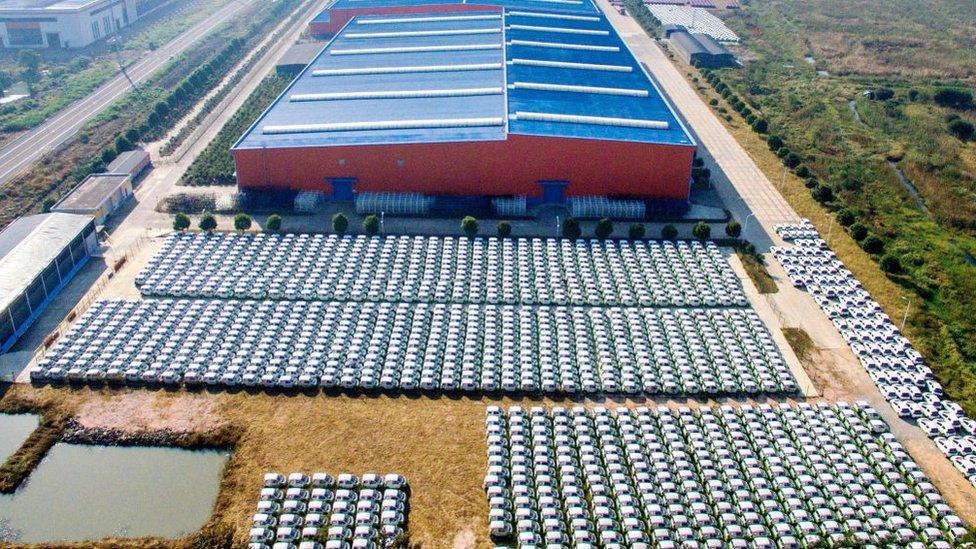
column 895, row 366
column 442, row 269
column 325, row 512
column 474, row 348
column 766, row 476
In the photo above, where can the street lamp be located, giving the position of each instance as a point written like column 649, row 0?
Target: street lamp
column 382, row 222
column 907, row 308
column 745, row 227
column 557, row 225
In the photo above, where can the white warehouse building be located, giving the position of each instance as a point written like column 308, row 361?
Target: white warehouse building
column 67, row 23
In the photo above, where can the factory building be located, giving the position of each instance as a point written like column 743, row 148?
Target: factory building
column 39, row 254
column 67, row 23
column 701, row 50
column 504, row 100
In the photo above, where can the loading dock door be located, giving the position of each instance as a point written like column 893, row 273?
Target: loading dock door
column 53, row 40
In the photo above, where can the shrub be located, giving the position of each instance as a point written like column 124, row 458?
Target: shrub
column 751, row 119
column 954, row 98
column 873, row 244
column 273, row 224
column 792, row 160
column 504, row 229
column 604, row 228
column 811, row 182
column 242, row 222
column 859, row 232
column 340, row 223
column 132, row 135
column 698, row 162
column 571, row 228
column 963, row 129
column 181, row 222
column 883, row 94
column 48, row 204
column 469, row 226
column 371, row 225
column 636, row 231
column 122, row 144
column 890, row 264
column 802, row 171
column 760, row 126
column 913, row 95
column 713, row 101
column 669, row 232
column 207, row 222
column 733, row 229
column 108, row 155
column 701, row 230
column 822, row 194
column 775, row 142
column 846, row 218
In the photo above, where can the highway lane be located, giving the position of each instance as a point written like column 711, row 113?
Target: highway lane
column 20, row 153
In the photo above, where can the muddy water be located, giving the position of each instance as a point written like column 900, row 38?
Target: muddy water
column 89, row 492
column 14, row 429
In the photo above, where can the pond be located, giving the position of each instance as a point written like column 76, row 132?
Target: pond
column 81, row 492
column 14, row 430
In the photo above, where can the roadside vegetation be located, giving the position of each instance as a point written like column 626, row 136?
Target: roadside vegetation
column 215, row 164
column 145, row 114
column 881, row 160
column 57, row 79
column 800, row 342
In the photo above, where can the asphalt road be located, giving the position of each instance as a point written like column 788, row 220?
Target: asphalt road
column 20, row 153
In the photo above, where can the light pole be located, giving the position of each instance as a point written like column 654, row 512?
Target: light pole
column 557, row 225
column 907, row 308
column 382, row 222
column 745, row 227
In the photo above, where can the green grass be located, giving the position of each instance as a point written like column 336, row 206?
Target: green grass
column 800, row 342
column 758, row 273
column 172, row 24
column 53, row 93
column 811, row 113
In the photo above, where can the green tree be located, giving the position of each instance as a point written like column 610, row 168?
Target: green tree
column 273, row 224
column 760, row 126
column 792, row 160
column 5, row 81
column 207, row 222
column 859, row 232
column 181, row 222
column 822, row 194
column 604, row 228
column 954, row 98
column 701, row 230
column 132, row 135
column 30, row 64
column 873, row 244
column 846, row 217
column 733, row 229
column 122, row 144
column 469, row 226
column 669, row 232
column 242, row 222
column 108, row 155
column 775, row 142
column 504, row 229
column 637, row 231
column 340, row 223
column 48, row 204
column 371, row 225
column 963, row 129
column 571, row 228
column 890, row 264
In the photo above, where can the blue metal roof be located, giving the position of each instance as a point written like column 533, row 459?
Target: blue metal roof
column 482, row 75
column 569, row 6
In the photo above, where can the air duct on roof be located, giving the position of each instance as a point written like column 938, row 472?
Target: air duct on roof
column 558, row 46
column 568, row 65
column 408, row 69
column 592, row 120
column 579, row 89
column 553, row 16
column 408, row 34
column 382, row 125
column 399, row 20
column 393, row 94
column 417, row 49
column 560, row 30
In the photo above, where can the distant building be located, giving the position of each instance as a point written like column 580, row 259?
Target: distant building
column 67, row 23
column 297, row 58
column 98, row 195
column 132, row 163
column 701, row 50
column 39, row 254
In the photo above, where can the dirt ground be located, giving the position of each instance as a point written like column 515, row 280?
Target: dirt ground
column 149, row 411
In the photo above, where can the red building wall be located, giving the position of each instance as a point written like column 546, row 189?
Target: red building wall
column 339, row 17
column 510, row 167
